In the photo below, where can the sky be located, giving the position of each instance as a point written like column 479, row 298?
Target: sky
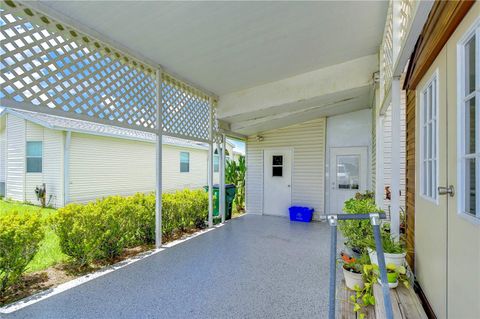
column 239, row 145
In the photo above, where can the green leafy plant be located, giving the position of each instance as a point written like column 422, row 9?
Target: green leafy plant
column 395, row 273
column 390, row 244
column 356, row 231
column 20, row 236
column 363, row 296
column 235, row 174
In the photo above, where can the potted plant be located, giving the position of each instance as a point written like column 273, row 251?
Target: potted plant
column 355, row 231
column 352, row 271
column 394, row 250
column 395, row 274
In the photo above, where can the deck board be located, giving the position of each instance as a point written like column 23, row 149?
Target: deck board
column 405, row 303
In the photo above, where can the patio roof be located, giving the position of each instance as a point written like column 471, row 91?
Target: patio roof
column 235, row 50
column 230, row 46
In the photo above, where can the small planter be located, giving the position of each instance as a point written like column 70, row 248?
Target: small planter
column 352, row 279
column 396, row 259
column 392, row 278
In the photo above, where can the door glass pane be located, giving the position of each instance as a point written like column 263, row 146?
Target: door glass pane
column 348, row 172
column 470, row 126
column 470, row 66
column 470, row 188
column 277, row 171
column 277, row 160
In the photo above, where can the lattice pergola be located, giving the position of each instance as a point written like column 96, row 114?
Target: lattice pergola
column 47, row 66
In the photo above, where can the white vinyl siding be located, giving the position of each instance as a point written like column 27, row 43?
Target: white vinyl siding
column 387, row 151
column 308, row 143
column 172, row 178
column 15, row 179
column 102, row 166
column 52, row 171
column 429, row 139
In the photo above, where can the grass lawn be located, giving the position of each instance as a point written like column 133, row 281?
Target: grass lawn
column 49, row 253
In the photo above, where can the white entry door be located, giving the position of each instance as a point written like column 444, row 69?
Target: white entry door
column 348, row 175
column 277, row 181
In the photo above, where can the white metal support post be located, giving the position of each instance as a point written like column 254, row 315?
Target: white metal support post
column 158, row 163
column 210, row 168
column 395, row 185
column 379, row 177
column 66, row 168
column 222, row 178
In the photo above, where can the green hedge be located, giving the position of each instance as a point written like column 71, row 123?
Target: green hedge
column 20, row 236
column 103, row 229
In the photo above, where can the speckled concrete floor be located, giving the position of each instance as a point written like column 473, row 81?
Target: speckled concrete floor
column 253, row 267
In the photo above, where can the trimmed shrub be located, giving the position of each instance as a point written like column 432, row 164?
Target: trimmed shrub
column 79, row 230
column 101, row 230
column 20, row 237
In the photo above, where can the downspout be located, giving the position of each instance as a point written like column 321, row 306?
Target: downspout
column 66, row 167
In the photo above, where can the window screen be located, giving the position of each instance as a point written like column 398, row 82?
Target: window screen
column 184, row 162
column 34, row 157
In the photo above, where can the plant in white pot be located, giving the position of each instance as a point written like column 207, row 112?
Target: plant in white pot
column 355, row 231
column 395, row 274
column 352, row 271
column 394, row 250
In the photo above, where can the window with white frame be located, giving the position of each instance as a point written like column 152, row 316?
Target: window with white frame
column 469, row 119
column 34, row 157
column 429, row 139
column 184, row 162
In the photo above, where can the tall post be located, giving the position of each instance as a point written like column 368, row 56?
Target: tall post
column 395, row 185
column 375, row 221
column 332, row 220
column 222, row 178
column 210, row 168
column 379, row 177
column 66, row 168
column 158, row 164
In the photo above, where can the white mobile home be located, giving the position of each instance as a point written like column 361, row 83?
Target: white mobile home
column 80, row 161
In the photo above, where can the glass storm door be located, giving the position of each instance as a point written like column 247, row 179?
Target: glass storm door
column 348, row 175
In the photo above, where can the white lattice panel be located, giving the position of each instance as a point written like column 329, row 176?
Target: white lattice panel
column 387, row 53
column 406, row 14
column 186, row 110
column 47, row 65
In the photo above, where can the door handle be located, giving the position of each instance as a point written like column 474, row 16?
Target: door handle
column 288, row 185
column 450, row 190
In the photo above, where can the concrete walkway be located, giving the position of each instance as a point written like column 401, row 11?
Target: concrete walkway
column 253, row 267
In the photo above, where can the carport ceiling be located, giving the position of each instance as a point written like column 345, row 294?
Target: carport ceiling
column 225, row 47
